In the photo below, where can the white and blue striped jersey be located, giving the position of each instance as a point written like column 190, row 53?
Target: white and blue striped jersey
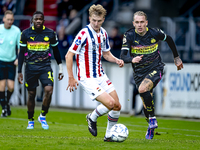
column 88, row 46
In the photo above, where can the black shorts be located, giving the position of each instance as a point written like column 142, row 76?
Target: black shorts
column 45, row 76
column 155, row 75
column 7, row 70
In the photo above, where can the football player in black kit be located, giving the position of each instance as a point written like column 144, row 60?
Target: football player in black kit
column 35, row 50
column 140, row 47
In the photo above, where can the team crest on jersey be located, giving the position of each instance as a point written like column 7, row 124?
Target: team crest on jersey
column 78, row 42
column 46, row 38
column 153, row 40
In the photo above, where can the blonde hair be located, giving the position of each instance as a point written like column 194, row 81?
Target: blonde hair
column 8, row 12
column 140, row 13
column 97, row 10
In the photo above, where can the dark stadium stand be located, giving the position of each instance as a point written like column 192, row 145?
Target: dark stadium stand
column 50, row 9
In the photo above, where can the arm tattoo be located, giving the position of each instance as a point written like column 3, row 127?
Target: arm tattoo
column 177, row 60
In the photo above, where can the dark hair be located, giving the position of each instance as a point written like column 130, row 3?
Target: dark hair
column 37, row 12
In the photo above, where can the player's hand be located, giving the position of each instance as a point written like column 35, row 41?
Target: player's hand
column 16, row 62
column 72, row 83
column 137, row 59
column 178, row 62
column 120, row 62
column 20, row 78
column 60, row 76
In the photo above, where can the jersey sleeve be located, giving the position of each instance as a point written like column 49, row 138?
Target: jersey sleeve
column 106, row 40
column 54, row 39
column 160, row 34
column 126, row 45
column 23, row 39
column 18, row 38
column 79, row 42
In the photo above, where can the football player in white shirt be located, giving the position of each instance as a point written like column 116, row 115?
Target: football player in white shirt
column 88, row 46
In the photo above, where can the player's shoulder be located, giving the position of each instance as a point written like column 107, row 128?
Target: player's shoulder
column 130, row 32
column 103, row 30
column 83, row 32
column 155, row 30
column 48, row 29
column 26, row 31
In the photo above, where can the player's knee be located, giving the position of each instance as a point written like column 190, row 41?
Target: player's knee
column 48, row 91
column 31, row 95
column 142, row 89
column 10, row 89
column 117, row 107
column 111, row 104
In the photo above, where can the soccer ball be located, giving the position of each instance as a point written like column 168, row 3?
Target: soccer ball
column 119, row 133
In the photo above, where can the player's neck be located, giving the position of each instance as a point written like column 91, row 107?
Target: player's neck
column 38, row 29
column 7, row 27
column 143, row 33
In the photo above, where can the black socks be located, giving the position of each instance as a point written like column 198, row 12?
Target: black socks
column 44, row 110
column 148, row 101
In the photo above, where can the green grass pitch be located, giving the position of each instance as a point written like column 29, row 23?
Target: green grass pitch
column 68, row 130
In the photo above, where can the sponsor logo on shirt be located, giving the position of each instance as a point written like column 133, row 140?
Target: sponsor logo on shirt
column 78, row 42
column 144, row 49
column 40, row 46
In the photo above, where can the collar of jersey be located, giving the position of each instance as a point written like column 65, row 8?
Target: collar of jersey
column 93, row 29
column 34, row 28
column 146, row 29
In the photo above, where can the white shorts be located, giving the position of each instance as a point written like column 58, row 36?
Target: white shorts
column 96, row 86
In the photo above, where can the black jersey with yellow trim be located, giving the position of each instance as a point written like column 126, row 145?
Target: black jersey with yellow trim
column 146, row 45
column 38, row 45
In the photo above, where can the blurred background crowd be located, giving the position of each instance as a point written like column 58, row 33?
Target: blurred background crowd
column 178, row 18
